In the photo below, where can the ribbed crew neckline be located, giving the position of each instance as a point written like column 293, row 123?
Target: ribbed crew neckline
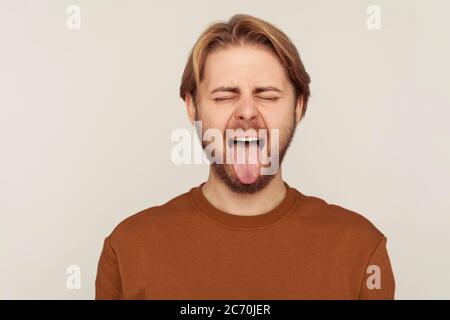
column 244, row 221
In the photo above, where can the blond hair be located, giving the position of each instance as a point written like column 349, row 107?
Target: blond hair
column 245, row 29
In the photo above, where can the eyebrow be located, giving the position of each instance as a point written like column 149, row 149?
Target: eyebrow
column 236, row 89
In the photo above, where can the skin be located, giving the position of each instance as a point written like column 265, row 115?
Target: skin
column 245, row 67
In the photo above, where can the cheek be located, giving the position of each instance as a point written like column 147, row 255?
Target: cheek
column 276, row 119
column 213, row 119
column 281, row 120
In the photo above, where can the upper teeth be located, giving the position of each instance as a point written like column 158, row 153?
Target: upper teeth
column 246, row 139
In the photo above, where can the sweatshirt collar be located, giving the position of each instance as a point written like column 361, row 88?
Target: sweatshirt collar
column 244, row 221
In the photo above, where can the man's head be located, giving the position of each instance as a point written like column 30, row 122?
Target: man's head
column 245, row 74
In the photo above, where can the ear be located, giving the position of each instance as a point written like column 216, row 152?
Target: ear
column 190, row 107
column 299, row 109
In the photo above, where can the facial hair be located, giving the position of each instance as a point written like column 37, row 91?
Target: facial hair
column 226, row 174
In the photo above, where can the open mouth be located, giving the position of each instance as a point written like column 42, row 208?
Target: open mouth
column 245, row 155
column 247, row 141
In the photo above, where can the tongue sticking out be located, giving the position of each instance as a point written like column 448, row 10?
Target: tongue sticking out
column 246, row 161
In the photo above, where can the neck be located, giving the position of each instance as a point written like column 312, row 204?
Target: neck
column 221, row 197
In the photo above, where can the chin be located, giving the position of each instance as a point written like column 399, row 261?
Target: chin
column 226, row 174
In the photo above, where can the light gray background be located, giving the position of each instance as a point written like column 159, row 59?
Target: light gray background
column 86, row 118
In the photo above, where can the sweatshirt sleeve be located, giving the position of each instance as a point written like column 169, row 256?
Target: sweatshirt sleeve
column 378, row 281
column 107, row 283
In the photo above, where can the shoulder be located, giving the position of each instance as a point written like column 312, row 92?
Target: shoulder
column 338, row 221
column 156, row 218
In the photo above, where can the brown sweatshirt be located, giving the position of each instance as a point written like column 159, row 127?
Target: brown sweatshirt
column 304, row 248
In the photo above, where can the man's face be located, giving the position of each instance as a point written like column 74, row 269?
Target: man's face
column 246, row 87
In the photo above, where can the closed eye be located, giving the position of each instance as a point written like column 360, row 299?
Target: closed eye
column 223, row 98
column 270, row 98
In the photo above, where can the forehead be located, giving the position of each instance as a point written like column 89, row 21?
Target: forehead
column 243, row 65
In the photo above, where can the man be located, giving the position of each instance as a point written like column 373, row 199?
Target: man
column 245, row 233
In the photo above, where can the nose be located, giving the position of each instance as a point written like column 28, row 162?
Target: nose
column 246, row 112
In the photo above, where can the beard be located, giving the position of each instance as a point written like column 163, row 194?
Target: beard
column 226, row 173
